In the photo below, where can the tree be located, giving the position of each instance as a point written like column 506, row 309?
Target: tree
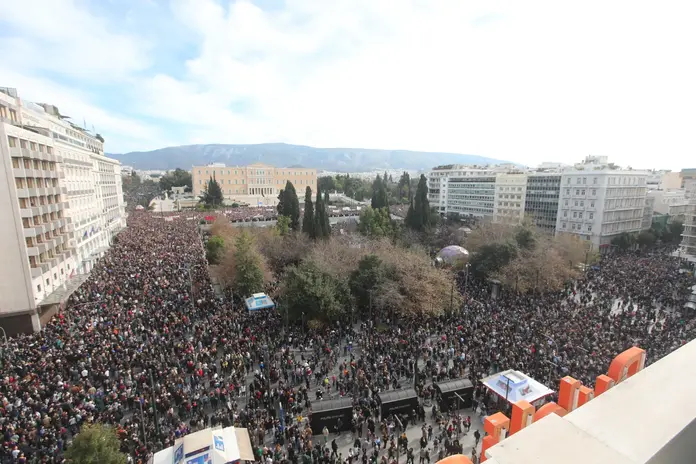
column 646, row 239
column 623, row 241
column 96, row 444
column 308, row 218
column 492, row 257
column 525, row 238
column 214, row 249
column 366, row 279
column 419, row 216
column 249, row 276
column 327, row 183
column 176, row 178
column 379, row 194
column 322, row 228
column 280, row 207
column 404, row 187
column 319, row 296
column 289, row 205
column 675, row 230
column 283, row 225
column 375, row 223
column 212, row 195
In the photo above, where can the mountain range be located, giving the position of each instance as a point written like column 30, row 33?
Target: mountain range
column 286, row 155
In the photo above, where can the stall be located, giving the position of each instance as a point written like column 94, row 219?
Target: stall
column 259, row 301
column 398, row 402
column 327, row 413
column 513, row 386
column 455, row 394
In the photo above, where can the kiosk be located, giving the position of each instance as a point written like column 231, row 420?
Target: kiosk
column 448, row 391
column 398, row 402
column 327, row 413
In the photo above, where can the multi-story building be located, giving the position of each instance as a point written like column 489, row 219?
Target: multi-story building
column 673, row 203
column 687, row 248
column 253, row 184
column 53, row 214
column 510, row 195
column 648, row 211
column 541, row 201
column 465, row 190
column 599, row 202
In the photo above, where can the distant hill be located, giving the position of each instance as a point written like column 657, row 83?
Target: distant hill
column 285, row 155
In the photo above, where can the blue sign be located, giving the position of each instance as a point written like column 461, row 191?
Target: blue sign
column 179, row 454
column 218, row 443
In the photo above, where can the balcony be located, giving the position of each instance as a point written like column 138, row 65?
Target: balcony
column 38, row 270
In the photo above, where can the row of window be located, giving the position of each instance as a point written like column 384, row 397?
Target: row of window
column 8, row 113
column 578, row 214
column 14, row 142
column 252, row 172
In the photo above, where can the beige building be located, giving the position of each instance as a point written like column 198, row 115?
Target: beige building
column 256, row 184
column 60, row 205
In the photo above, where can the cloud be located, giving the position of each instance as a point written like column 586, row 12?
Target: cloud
column 526, row 81
column 63, row 37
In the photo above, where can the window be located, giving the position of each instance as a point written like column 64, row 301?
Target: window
column 38, row 288
column 575, row 203
column 580, row 215
column 594, row 191
column 589, row 227
column 12, row 141
column 582, row 203
column 567, row 191
column 568, row 183
column 22, row 143
column 578, row 181
column 592, row 204
column 591, row 215
column 32, row 145
column 584, row 180
column 594, row 180
column 577, row 191
column 572, row 226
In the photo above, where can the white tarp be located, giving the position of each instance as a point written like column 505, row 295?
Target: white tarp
column 515, row 386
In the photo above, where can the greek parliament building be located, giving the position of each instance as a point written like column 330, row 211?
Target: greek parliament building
column 61, row 204
column 256, row 184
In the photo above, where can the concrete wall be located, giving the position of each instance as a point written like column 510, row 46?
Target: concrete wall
column 15, row 276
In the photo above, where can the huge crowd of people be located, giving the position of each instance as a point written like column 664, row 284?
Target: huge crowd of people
column 146, row 346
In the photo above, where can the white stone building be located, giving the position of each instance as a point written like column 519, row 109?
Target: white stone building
column 510, row 195
column 60, row 204
column 598, row 203
column 687, row 248
column 466, row 190
column 670, row 202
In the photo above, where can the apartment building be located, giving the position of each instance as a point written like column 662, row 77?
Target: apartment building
column 465, row 190
column 52, row 213
column 648, row 212
column 599, row 202
column 254, row 184
column 510, row 197
column 541, row 201
column 687, row 248
column 673, row 203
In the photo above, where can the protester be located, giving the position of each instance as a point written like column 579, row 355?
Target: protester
column 146, row 346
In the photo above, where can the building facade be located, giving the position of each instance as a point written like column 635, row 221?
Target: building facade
column 541, row 201
column 253, row 184
column 52, row 215
column 468, row 191
column 670, row 202
column 598, row 203
column 510, row 196
column 687, row 248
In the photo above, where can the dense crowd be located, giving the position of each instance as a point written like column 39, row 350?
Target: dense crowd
column 145, row 345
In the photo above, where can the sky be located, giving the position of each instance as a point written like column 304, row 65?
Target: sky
column 524, row 81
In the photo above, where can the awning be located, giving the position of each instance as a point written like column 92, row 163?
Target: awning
column 259, row 301
column 514, row 386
